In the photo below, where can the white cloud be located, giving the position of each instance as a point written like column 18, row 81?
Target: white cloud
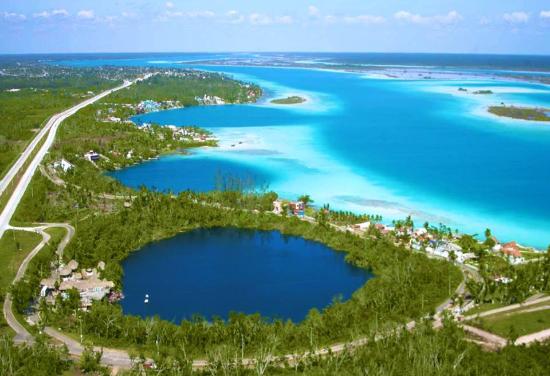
column 443, row 19
column 516, row 17
column 285, row 20
column 235, row 17
column 169, row 4
column 264, row 19
column 10, row 16
column 364, row 19
column 128, row 14
column 484, row 21
column 60, row 12
column 200, row 14
column 42, row 14
column 53, row 13
column 259, row 19
column 313, row 11
column 86, row 14
column 545, row 14
column 330, row 19
column 169, row 14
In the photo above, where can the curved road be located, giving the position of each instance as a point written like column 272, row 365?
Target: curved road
column 21, row 334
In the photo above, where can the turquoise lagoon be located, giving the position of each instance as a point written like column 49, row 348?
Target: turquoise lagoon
column 388, row 146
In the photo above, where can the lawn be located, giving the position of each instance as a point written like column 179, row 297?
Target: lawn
column 14, row 246
column 517, row 324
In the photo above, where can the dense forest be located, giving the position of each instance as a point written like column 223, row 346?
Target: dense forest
column 185, row 86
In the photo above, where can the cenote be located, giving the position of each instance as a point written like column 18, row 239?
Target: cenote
column 213, row 272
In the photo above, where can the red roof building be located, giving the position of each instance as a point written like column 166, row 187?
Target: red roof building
column 511, row 249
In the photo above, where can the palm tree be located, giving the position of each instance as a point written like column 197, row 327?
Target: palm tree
column 305, row 199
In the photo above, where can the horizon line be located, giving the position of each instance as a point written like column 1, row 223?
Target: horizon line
column 274, row 52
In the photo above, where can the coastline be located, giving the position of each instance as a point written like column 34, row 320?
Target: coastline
column 391, row 198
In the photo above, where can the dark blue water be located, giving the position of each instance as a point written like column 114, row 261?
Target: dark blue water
column 177, row 173
column 212, row 272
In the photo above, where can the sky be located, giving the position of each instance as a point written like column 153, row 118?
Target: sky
column 455, row 26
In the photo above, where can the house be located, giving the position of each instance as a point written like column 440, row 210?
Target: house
column 383, row 228
column 511, row 249
column 63, row 164
column 148, row 106
column 92, row 156
column 297, row 207
column 512, row 252
column 277, row 207
column 362, row 226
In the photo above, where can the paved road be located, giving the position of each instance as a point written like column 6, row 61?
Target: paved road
column 50, row 129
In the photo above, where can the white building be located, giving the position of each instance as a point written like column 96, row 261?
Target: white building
column 92, row 156
column 63, row 164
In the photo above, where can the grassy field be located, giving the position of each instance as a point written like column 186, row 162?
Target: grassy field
column 14, row 246
column 510, row 325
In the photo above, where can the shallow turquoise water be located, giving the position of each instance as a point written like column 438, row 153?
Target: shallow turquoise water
column 393, row 147
column 212, row 272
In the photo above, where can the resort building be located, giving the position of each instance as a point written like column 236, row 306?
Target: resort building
column 87, row 282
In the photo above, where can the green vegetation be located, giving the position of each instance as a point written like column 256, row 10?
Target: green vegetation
column 534, row 114
column 514, row 324
column 30, row 95
column 408, row 285
column 185, row 86
column 39, row 267
column 419, row 353
column 14, row 247
column 484, row 308
column 525, row 280
column 40, row 359
column 483, row 92
column 289, row 100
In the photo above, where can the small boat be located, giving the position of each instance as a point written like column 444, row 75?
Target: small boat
column 146, row 301
column 147, row 295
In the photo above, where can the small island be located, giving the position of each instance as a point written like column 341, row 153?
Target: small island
column 289, row 100
column 483, row 92
column 524, row 113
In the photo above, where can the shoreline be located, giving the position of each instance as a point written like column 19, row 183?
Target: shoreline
column 248, row 150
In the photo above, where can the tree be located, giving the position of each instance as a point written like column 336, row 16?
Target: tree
column 305, row 199
column 90, row 362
